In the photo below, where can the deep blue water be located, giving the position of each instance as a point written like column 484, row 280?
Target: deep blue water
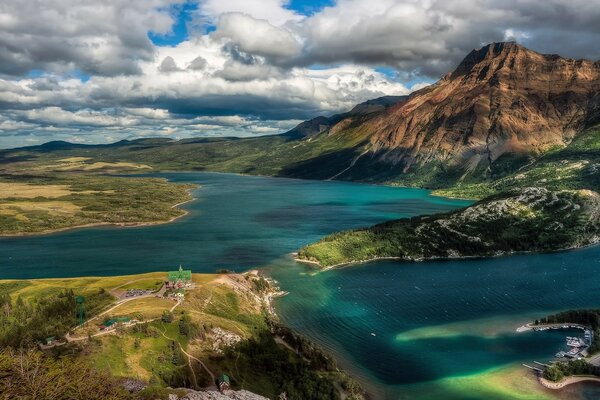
column 393, row 324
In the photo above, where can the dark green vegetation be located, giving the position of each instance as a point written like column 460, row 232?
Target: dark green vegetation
column 576, row 166
column 531, row 219
column 53, row 201
column 25, row 322
column 561, row 369
column 589, row 318
column 263, row 366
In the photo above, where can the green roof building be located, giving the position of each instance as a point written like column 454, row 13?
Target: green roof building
column 179, row 276
column 223, row 382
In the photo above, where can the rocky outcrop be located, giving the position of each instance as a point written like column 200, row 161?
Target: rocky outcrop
column 501, row 99
column 214, row 395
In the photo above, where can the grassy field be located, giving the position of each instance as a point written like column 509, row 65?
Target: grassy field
column 32, row 289
column 32, row 204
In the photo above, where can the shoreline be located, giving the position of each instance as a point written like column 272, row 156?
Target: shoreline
column 569, row 380
column 294, row 255
column 108, row 224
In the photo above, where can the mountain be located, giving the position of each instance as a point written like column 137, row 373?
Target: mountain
column 526, row 219
column 359, row 113
column 502, row 102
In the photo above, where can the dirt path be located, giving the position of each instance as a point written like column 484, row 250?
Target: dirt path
column 352, row 163
column 190, row 358
column 108, row 332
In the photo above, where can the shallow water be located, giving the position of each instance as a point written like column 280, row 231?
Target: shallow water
column 407, row 330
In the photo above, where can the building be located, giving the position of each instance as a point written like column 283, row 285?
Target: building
column 224, row 383
column 179, row 279
column 112, row 322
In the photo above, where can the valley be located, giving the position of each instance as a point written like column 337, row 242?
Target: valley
column 512, row 129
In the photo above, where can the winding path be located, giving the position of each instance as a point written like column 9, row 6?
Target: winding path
column 190, row 358
column 107, row 332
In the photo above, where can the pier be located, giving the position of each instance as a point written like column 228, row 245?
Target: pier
column 541, row 364
column 539, row 370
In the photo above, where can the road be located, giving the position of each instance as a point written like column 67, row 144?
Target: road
column 107, row 332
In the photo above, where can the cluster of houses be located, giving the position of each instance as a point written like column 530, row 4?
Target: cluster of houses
column 577, row 347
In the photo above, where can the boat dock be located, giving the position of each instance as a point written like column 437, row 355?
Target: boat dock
column 538, row 370
column 541, row 364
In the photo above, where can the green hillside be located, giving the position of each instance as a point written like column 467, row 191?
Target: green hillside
column 530, row 219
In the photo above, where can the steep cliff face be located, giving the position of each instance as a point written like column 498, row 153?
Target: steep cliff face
column 502, row 99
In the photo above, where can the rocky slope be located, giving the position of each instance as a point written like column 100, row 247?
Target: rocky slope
column 529, row 219
column 502, row 99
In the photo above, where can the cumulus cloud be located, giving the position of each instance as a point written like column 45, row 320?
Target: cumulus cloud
column 106, row 37
column 168, row 65
column 198, row 63
column 84, row 70
column 433, row 36
column 256, row 36
column 273, row 11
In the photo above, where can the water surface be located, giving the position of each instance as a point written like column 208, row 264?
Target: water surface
column 407, row 330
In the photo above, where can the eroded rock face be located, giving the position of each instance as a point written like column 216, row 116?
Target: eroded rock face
column 502, row 98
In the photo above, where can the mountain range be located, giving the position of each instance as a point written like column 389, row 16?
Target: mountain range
column 504, row 110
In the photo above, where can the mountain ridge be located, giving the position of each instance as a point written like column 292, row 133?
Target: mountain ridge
column 501, row 99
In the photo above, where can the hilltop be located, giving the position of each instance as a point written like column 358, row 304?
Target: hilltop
column 140, row 345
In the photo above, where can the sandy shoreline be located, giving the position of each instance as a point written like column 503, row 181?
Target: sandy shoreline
column 569, row 380
column 113, row 224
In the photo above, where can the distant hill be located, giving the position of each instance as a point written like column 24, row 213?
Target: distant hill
column 360, row 112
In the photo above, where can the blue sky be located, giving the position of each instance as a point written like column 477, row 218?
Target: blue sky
column 183, row 15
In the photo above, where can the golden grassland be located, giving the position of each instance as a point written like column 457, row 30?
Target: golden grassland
column 31, row 289
column 42, row 204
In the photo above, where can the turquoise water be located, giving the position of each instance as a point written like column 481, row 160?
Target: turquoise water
column 439, row 319
column 237, row 222
column 397, row 326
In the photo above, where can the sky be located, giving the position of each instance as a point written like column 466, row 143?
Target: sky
column 99, row 71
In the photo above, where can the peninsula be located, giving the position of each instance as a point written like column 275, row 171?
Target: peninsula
column 138, row 336
column 75, row 192
column 519, row 220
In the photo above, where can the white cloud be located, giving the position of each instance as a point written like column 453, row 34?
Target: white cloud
column 256, row 36
column 273, row 11
column 96, row 37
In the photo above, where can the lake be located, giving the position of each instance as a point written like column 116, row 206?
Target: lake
column 407, row 330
